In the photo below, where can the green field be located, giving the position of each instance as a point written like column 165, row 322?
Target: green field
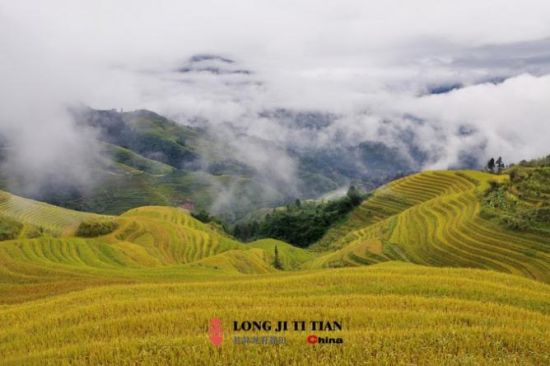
column 143, row 293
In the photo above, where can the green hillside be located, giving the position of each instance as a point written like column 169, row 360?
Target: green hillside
column 522, row 203
column 431, row 218
column 147, row 243
column 148, row 159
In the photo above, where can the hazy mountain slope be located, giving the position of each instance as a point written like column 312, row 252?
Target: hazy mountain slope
column 148, row 159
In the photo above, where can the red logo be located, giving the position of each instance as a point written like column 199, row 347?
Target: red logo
column 215, row 332
column 312, row 339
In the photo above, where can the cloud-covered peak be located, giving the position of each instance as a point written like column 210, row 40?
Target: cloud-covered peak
column 198, row 58
column 366, row 64
column 212, row 64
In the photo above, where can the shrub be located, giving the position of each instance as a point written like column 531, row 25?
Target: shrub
column 95, row 228
column 202, row 216
column 35, row 232
column 9, row 229
column 515, row 223
column 542, row 215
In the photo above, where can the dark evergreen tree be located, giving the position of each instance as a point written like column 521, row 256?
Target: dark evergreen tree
column 354, row 195
column 499, row 164
column 276, row 261
column 202, row 216
column 237, row 232
column 254, row 229
column 491, row 165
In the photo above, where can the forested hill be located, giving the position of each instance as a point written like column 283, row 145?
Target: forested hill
column 151, row 160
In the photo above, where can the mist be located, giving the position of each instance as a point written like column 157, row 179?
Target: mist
column 458, row 78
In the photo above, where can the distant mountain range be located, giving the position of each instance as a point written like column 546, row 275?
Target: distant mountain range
column 150, row 159
column 230, row 167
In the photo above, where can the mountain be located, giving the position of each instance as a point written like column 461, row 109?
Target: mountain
column 148, row 159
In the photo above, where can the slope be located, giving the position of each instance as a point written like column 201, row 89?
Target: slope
column 432, row 218
column 55, row 220
column 149, row 244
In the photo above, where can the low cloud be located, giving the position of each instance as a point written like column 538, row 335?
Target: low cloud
column 372, row 67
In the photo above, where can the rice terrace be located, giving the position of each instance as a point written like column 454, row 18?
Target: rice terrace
column 415, row 267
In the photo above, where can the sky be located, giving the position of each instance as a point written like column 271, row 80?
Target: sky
column 479, row 66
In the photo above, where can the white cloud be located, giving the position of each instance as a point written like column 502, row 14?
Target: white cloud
column 364, row 61
column 513, row 116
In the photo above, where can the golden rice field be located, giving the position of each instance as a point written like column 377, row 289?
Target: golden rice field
column 433, row 219
column 56, row 220
column 392, row 314
column 150, row 243
column 144, row 294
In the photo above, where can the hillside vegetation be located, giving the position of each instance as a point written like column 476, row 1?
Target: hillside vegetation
column 38, row 216
column 301, row 223
column 147, row 159
column 431, row 218
column 522, row 203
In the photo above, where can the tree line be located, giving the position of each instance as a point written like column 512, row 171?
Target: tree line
column 495, row 166
column 299, row 223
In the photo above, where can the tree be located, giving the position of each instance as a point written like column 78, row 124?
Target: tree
column 491, row 165
column 298, row 203
column 354, row 196
column 202, row 216
column 499, row 164
column 254, row 229
column 276, row 261
column 238, row 232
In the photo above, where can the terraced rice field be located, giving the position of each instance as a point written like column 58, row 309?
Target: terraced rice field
column 57, row 220
column 392, row 314
column 145, row 293
column 433, row 219
column 150, row 243
column 394, row 198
